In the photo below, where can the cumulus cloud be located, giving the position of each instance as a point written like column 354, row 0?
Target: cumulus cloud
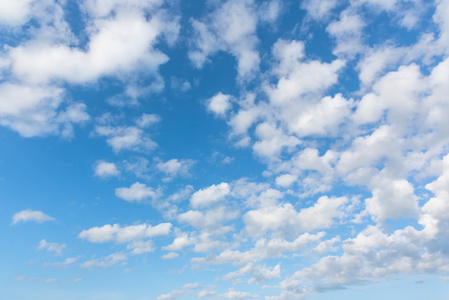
column 184, row 290
column 49, row 56
column 51, row 247
column 210, row 195
column 126, row 138
column 118, row 234
column 106, row 169
column 137, row 192
column 30, row 215
column 233, row 294
column 231, row 27
column 219, row 104
column 174, row 168
column 286, row 220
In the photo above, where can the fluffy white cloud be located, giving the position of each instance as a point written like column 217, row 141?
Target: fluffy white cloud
column 147, row 120
column 118, row 234
column 392, row 199
column 106, row 169
column 170, row 255
column 285, row 180
column 49, row 56
column 256, row 272
column 263, row 249
column 219, row 104
column 30, row 215
column 126, row 138
column 210, row 195
column 51, row 247
column 232, row 27
column 33, row 110
column 319, row 9
column 233, row 294
column 14, row 13
column 184, row 290
column 137, row 192
column 284, row 219
column 174, row 167
column 212, row 219
column 348, row 33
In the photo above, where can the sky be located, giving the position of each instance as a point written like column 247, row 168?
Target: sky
column 224, row 149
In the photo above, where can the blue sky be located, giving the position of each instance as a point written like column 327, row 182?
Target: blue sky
column 171, row 149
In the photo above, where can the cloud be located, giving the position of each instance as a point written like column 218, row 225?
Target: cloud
column 184, row 290
column 285, row 220
column 233, row 294
column 106, row 262
column 258, row 273
column 319, row 9
column 231, row 27
column 15, row 13
column 34, row 110
column 126, row 138
column 219, row 104
column 175, row 167
column 106, row 169
column 48, row 59
column 347, row 32
column 30, row 215
column 147, row 120
column 137, row 192
column 51, row 247
column 68, row 261
column 210, row 195
column 118, row 234
column 170, row 255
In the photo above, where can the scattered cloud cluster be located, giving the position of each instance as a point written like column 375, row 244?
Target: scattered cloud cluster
column 348, row 164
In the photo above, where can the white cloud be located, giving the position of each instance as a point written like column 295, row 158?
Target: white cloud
column 285, row 220
column 138, row 192
column 231, row 27
column 285, row 180
column 106, row 262
column 263, row 249
column 392, row 199
column 175, row 167
column 118, row 234
column 48, row 56
column 106, row 169
column 212, row 219
column 170, row 255
column 139, row 247
column 181, row 241
column 208, row 196
column 14, row 13
column 184, row 290
column 128, row 33
column 33, row 110
column 348, row 34
column 68, row 261
column 219, row 104
column 233, row 294
column 206, row 293
column 30, row 215
column 126, row 138
column 147, row 120
column 51, row 247
column 256, row 272
column 319, row 9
